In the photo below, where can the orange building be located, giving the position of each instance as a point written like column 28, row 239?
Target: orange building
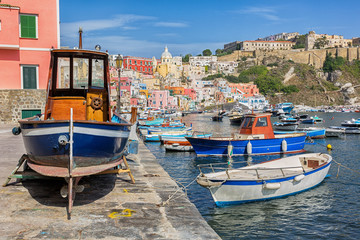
column 176, row 90
column 245, row 89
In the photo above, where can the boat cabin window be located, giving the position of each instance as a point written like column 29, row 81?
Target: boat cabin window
column 63, row 72
column 262, row 122
column 97, row 73
column 81, row 73
column 248, row 122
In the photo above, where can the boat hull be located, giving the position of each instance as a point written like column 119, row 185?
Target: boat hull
column 94, row 144
column 213, row 146
column 237, row 192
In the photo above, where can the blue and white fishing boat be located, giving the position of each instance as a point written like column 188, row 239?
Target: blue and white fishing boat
column 284, row 107
column 256, row 136
column 76, row 136
column 273, row 179
column 351, row 123
column 286, row 126
column 307, row 121
column 156, row 136
column 311, row 132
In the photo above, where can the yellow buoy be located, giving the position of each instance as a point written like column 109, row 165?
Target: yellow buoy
column 329, row 147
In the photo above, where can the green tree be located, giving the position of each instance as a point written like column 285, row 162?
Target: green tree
column 321, row 42
column 331, row 64
column 207, row 52
column 218, row 51
column 186, row 58
column 300, row 41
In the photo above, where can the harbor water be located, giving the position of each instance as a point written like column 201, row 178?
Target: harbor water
column 329, row 211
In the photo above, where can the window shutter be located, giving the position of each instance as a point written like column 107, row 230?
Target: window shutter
column 29, row 77
column 28, row 26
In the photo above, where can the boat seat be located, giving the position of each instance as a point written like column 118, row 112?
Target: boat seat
column 311, row 162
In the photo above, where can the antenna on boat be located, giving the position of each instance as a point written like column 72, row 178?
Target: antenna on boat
column 80, row 37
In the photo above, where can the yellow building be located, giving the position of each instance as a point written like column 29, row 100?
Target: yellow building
column 152, row 83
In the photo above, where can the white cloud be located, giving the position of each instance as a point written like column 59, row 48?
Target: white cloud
column 128, row 46
column 265, row 12
column 170, row 24
column 122, row 21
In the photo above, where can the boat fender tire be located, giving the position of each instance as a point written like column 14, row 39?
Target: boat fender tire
column 284, row 145
column 299, row 177
column 272, row 186
column 96, row 103
column 249, row 148
column 16, row 130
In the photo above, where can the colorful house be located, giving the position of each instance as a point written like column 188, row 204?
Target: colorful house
column 244, row 89
column 161, row 99
column 28, row 31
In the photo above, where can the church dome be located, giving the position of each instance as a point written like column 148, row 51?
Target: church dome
column 166, row 54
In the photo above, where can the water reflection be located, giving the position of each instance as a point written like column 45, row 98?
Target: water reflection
column 329, row 211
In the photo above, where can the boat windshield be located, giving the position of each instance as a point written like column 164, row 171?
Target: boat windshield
column 76, row 73
column 262, row 122
column 248, row 122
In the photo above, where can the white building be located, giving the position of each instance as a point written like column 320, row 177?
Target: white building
column 201, row 61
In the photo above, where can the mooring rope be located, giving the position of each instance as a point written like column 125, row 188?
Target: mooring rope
column 341, row 165
column 184, row 188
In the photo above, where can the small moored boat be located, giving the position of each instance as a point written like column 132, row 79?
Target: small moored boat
column 272, row 179
column 351, row 123
column 256, row 136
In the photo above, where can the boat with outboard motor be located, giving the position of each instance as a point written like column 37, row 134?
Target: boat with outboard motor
column 256, row 136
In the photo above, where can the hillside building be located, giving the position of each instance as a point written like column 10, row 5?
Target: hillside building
column 139, row 64
column 334, row 41
column 266, row 45
column 280, row 36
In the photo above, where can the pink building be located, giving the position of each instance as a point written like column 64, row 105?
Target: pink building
column 160, row 99
column 134, row 101
column 247, row 89
column 190, row 92
column 28, row 31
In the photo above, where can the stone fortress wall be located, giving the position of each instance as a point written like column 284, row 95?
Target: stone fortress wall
column 314, row 57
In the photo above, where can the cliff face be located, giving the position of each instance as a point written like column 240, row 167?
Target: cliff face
column 316, row 88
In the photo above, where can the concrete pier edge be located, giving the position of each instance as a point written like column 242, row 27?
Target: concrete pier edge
column 110, row 207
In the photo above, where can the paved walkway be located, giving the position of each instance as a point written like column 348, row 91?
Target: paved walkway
column 110, row 207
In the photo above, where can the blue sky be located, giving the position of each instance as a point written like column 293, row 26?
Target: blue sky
column 143, row 27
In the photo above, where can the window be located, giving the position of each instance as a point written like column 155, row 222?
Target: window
column 29, row 74
column 261, row 122
column 97, row 73
column 80, row 73
column 28, row 26
column 63, row 72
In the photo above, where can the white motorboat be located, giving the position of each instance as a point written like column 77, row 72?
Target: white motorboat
column 268, row 180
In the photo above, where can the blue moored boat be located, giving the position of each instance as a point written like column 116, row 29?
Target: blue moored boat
column 77, row 136
column 256, row 137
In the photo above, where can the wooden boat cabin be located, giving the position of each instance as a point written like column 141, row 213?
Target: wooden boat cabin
column 257, row 125
column 78, row 79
